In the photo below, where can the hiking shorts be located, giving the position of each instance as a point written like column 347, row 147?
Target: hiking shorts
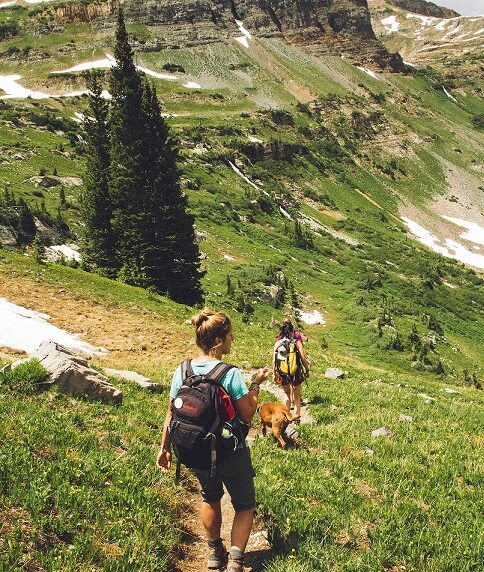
column 237, row 474
column 291, row 380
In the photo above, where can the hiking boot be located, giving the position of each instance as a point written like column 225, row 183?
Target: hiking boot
column 236, row 560
column 217, row 559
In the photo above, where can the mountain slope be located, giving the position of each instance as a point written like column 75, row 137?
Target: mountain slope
column 451, row 44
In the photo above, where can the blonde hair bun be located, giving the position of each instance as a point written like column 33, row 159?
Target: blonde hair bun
column 198, row 319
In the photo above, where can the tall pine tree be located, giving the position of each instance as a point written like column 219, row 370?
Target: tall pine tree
column 127, row 185
column 98, row 243
column 171, row 257
column 137, row 224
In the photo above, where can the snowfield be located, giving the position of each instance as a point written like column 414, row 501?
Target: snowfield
column 451, row 249
column 25, row 330
column 475, row 233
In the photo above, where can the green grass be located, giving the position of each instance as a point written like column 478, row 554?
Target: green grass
column 344, row 499
column 79, row 487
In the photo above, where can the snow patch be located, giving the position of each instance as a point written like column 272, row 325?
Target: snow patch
column 253, row 139
column 158, row 75
column 452, row 248
column 246, row 35
column 452, row 32
column 409, row 64
column 65, row 250
column 13, row 90
column 7, row 4
column 10, row 85
column 229, row 257
column 285, row 213
column 192, row 85
column 474, row 233
column 367, row 71
column 25, row 330
column 312, row 318
column 391, row 24
column 449, row 95
column 106, row 63
column 243, row 176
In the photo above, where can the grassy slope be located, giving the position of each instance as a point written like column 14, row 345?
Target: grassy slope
column 414, row 501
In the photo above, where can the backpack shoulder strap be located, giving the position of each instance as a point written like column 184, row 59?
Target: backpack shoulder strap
column 186, row 370
column 219, row 371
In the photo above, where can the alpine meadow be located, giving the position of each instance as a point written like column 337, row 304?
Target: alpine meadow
column 317, row 160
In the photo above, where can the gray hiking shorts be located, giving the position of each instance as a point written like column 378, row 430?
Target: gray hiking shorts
column 237, row 474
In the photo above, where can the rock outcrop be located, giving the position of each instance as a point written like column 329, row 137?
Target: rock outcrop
column 425, row 8
column 335, row 27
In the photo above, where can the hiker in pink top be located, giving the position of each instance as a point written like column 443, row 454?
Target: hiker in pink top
column 290, row 340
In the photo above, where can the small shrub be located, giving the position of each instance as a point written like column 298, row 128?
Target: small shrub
column 27, row 378
column 478, row 121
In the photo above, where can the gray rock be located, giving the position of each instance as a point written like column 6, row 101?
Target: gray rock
column 407, row 418
column 382, row 432
column 141, row 380
column 72, row 374
column 334, row 373
column 8, row 238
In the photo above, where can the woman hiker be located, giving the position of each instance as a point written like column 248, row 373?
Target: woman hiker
column 290, row 381
column 214, row 338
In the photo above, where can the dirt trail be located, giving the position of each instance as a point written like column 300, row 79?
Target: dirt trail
column 194, row 550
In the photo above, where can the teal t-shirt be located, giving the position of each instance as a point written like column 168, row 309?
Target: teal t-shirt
column 232, row 382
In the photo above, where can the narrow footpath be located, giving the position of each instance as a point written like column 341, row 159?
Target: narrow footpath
column 193, row 552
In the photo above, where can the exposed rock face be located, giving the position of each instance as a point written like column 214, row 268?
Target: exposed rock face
column 425, row 8
column 341, row 27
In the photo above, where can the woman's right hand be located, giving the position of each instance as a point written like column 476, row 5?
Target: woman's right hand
column 261, row 375
column 163, row 461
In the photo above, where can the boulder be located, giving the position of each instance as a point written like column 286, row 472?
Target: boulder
column 334, row 373
column 73, row 376
column 141, row 380
column 8, row 238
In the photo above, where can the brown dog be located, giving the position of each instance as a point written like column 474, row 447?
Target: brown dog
column 277, row 416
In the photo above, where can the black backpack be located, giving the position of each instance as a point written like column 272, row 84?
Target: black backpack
column 198, row 428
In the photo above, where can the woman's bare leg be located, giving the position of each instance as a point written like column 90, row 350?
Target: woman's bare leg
column 297, row 399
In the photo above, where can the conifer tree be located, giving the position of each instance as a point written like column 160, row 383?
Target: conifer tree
column 98, row 243
column 127, row 185
column 171, row 257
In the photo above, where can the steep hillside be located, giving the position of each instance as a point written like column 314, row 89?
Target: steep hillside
column 449, row 43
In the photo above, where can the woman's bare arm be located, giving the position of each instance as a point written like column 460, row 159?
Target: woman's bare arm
column 163, row 460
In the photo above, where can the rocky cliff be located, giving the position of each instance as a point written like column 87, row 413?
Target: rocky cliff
column 425, row 8
column 340, row 27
